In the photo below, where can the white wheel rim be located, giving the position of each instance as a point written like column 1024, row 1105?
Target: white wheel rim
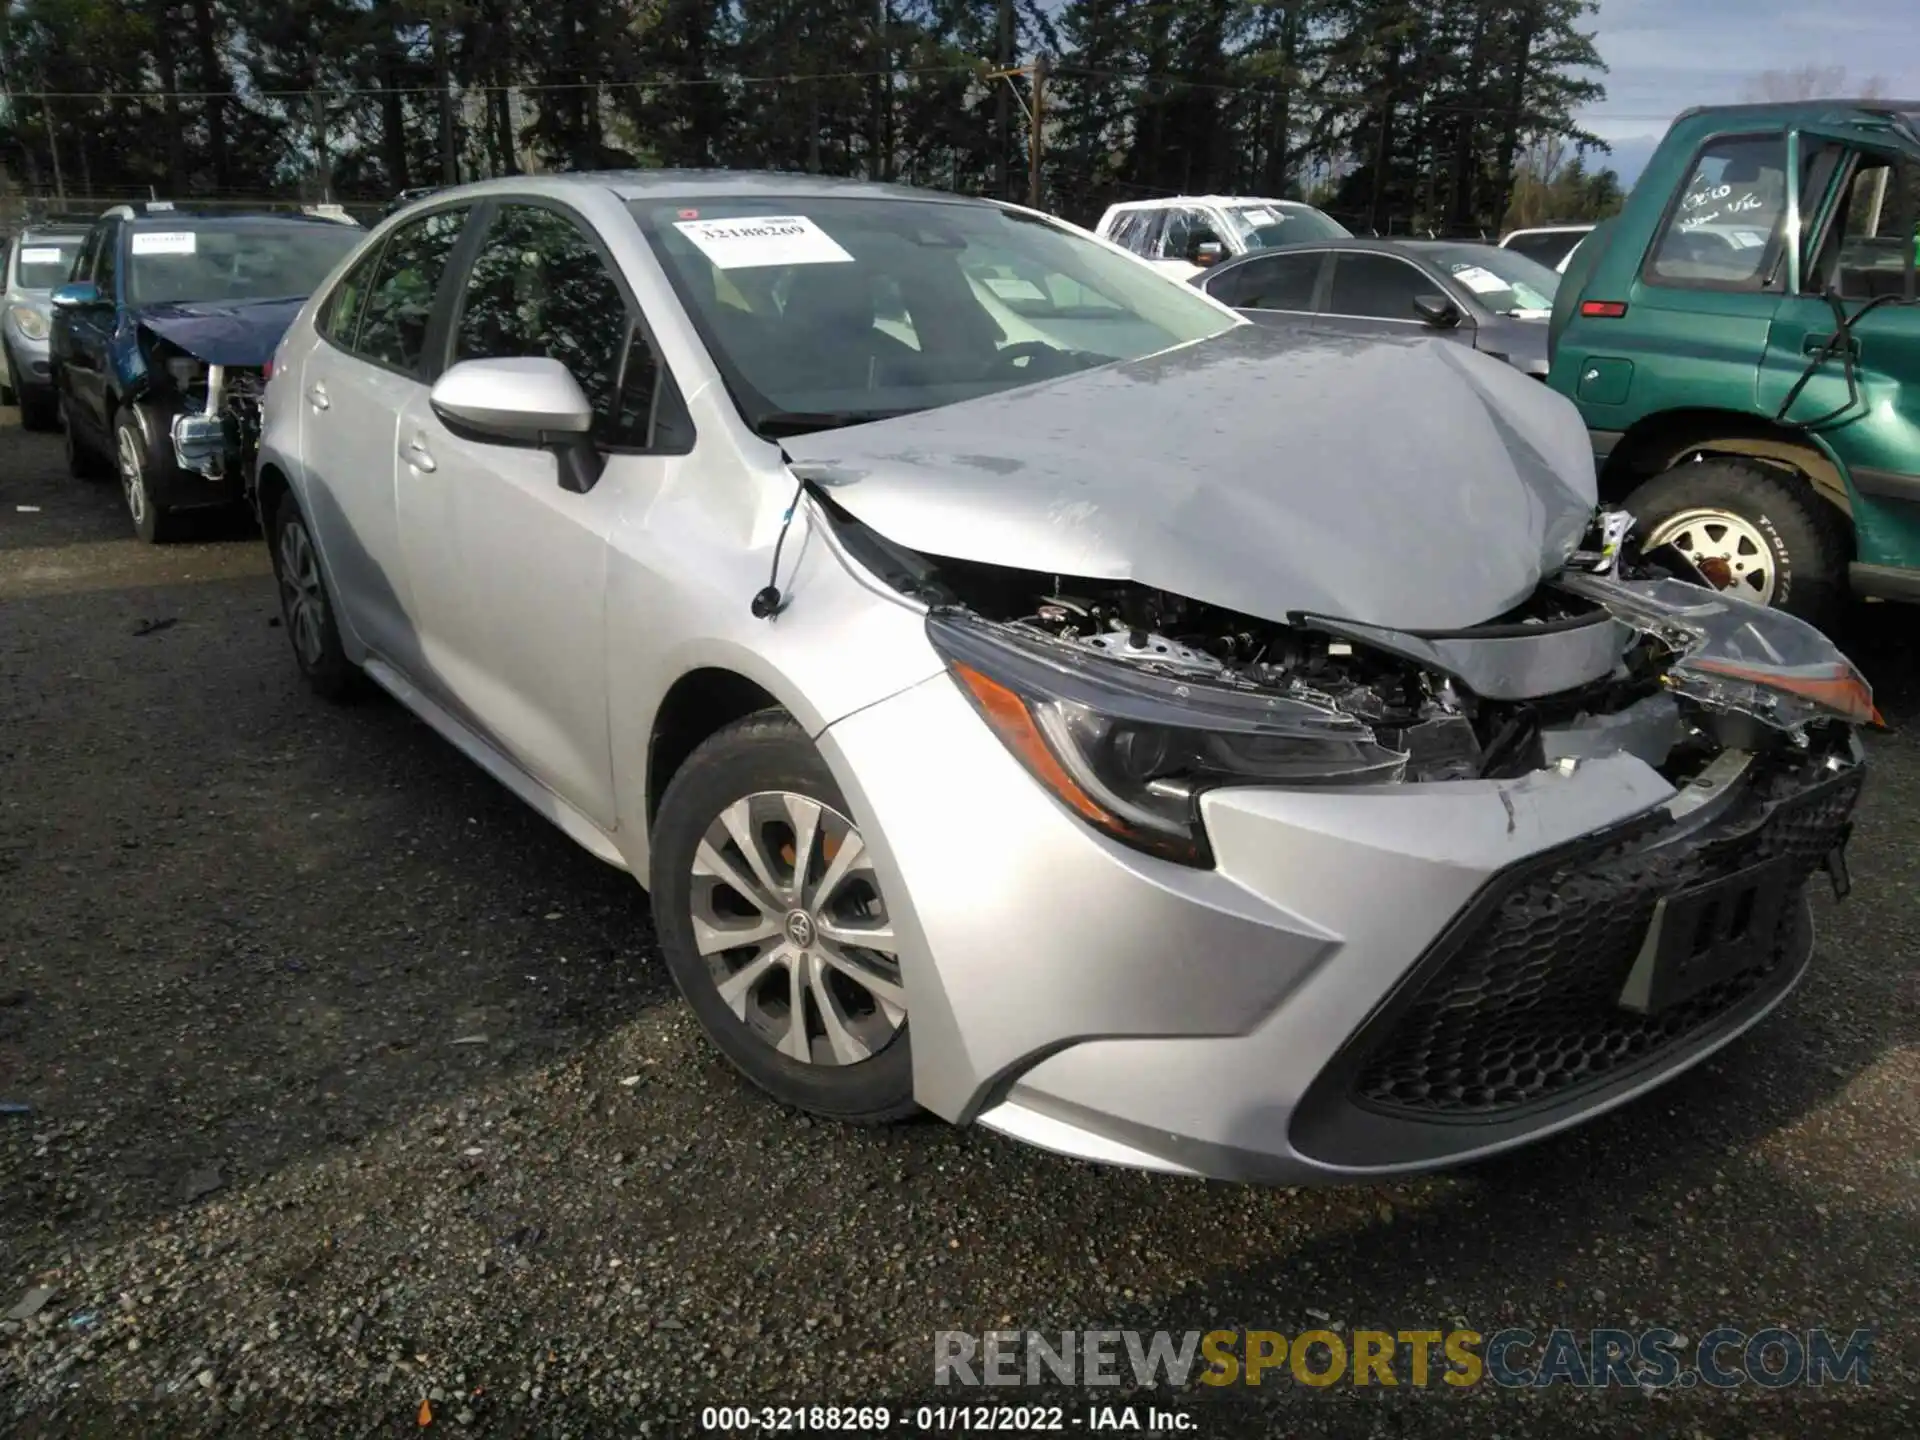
column 131, row 479
column 1729, row 549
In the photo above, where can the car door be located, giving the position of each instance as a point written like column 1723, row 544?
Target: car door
column 508, row 568
column 366, row 364
column 1371, row 293
column 1281, row 289
column 88, row 332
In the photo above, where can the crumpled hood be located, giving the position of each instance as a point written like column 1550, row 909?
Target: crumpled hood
column 231, row 332
column 1410, row 484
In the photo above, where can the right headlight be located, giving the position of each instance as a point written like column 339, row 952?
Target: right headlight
column 1130, row 750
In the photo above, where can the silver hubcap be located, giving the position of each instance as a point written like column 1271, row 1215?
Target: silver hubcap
column 788, row 916
column 1728, row 549
column 301, row 595
column 131, row 480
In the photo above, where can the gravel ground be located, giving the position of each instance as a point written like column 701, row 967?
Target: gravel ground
column 354, row 1085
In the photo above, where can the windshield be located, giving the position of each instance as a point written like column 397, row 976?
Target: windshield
column 1266, row 226
column 233, row 260
column 829, row 311
column 44, row 264
column 1504, row 281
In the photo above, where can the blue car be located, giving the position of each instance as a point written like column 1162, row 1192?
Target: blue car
column 162, row 340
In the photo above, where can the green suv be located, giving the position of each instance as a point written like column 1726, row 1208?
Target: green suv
column 1744, row 344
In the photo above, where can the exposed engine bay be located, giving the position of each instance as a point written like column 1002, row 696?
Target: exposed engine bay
column 215, row 425
column 1615, row 654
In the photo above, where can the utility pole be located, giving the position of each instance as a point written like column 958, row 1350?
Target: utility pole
column 1036, row 72
column 1003, row 117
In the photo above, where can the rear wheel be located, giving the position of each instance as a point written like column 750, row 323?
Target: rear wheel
column 306, row 609
column 83, row 461
column 772, row 922
column 1752, row 530
column 39, row 410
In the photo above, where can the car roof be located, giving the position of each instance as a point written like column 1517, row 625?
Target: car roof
column 1567, row 229
column 669, row 184
column 1166, row 200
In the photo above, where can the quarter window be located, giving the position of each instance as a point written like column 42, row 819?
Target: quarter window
column 539, row 287
column 399, row 302
column 1722, row 233
column 1377, row 287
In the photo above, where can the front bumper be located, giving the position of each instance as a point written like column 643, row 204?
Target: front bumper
column 1099, row 1002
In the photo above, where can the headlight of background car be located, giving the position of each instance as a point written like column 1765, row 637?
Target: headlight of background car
column 28, row 321
column 1130, row 750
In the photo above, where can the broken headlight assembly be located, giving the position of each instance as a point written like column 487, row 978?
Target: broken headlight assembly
column 1131, row 750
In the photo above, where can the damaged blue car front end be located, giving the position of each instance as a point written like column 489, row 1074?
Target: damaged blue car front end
column 216, row 357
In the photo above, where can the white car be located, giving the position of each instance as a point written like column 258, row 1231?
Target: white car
column 1186, row 233
column 1550, row 245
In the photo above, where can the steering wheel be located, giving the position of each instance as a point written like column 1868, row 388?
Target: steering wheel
column 1011, row 357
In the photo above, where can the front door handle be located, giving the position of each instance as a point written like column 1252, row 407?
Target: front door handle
column 416, row 454
column 1814, row 344
column 317, row 395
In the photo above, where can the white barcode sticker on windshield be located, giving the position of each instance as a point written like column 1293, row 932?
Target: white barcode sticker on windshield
column 1481, row 282
column 755, row 240
column 40, row 255
column 163, row 242
column 1260, row 217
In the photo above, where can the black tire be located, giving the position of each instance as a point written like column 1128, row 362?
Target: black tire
column 144, row 468
column 83, row 461
column 39, row 410
column 317, row 651
column 1804, row 535
column 764, row 752
column 7, row 394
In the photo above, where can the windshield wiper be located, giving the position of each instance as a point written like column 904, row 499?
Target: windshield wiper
column 778, row 423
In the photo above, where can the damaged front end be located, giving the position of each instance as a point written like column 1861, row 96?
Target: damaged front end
column 215, row 427
column 1130, row 703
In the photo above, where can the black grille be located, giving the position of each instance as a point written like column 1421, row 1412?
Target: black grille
column 1523, row 1008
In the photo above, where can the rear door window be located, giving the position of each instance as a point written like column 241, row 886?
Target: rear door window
column 393, row 327
column 1723, row 232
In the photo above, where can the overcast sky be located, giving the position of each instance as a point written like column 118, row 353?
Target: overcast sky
column 1666, row 55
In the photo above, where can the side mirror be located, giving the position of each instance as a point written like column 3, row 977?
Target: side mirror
column 1437, row 311
column 76, row 295
column 1204, row 248
column 525, row 400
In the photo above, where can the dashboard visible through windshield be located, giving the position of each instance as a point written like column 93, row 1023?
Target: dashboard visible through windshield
column 823, row 311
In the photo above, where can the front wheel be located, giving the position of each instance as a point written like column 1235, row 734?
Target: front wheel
column 771, row 919
column 137, row 464
column 1751, row 530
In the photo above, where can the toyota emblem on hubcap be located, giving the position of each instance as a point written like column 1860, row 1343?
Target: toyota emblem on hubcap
column 800, row 928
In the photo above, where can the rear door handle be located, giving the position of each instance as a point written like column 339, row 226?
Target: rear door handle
column 317, row 396
column 416, row 454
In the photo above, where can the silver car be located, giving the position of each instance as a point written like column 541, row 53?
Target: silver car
column 1033, row 694
column 38, row 261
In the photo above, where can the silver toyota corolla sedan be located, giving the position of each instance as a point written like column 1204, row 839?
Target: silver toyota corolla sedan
column 1032, row 693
